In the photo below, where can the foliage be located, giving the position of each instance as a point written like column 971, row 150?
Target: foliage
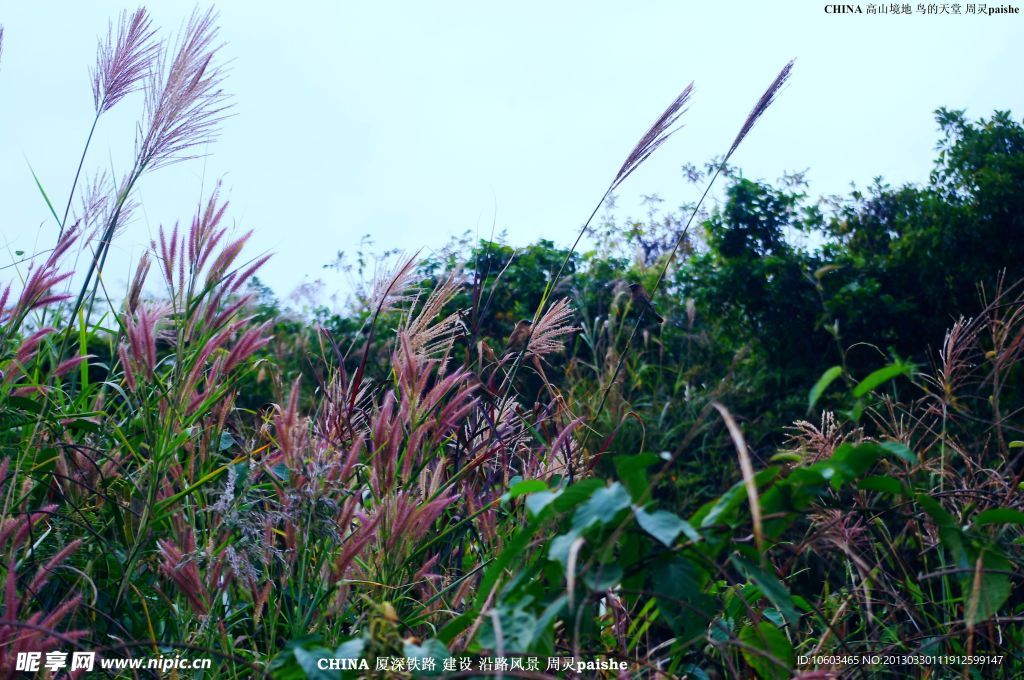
column 501, row 451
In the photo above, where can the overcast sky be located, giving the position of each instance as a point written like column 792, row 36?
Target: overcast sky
column 415, row 121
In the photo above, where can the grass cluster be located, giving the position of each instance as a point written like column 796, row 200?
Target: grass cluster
column 427, row 488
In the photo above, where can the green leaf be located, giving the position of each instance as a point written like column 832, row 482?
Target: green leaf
column 724, row 507
column 226, row 441
column 632, row 470
column 786, row 457
column 46, row 198
column 771, row 586
column 848, row 462
column 986, row 591
column 430, row 649
column 826, row 379
column 518, row 627
column 664, row 525
column 558, row 551
column 679, row 588
column 513, row 548
column 307, row 660
column 883, row 484
column 456, row 626
column 950, row 534
column 1000, row 516
column 901, row 451
column 350, row 649
column 536, row 502
column 573, row 495
column 543, row 638
column 602, row 507
column 777, row 658
column 938, row 513
column 695, row 672
column 523, row 488
column 603, row 577
column 879, row 377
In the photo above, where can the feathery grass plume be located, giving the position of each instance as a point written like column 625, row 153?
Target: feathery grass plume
column 204, row 234
column 225, row 258
column 548, row 335
column 112, row 213
column 184, row 101
column 184, row 573
column 392, row 287
column 238, row 280
column 36, row 292
column 94, row 203
column 813, row 443
column 20, row 629
column 141, row 328
column 123, row 62
column 250, row 342
column 760, row 107
column 839, row 528
column 138, row 281
column 428, row 333
column 655, row 136
column 27, row 350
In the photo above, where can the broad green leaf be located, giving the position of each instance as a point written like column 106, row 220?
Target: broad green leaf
column 307, row 660
column 518, row 627
column 664, row 525
column 226, row 441
column 786, row 457
column 523, row 488
column 950, row 534
column 558, row 550
column 536, row 502
column 848, row 462
column 430, row 649
column 826, row 379
column 900, row 450
column 1000, row 516
column 772, row 588
column 938, row 513
column 877, row 378
column 456, row 626
column 601, row 507
column 695, row 672
column 777, row 658
column 679, row 588
column 574, row 494
column 603, row 577
column 724, row 507
column 350, row 649
column 987, row 590
column 884, row 484
column 632, row 471
column 513, row 548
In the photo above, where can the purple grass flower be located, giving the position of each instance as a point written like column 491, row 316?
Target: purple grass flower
column 184, row 102
column 123, row 62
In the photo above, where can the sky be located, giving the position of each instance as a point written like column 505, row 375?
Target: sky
column 414, row 122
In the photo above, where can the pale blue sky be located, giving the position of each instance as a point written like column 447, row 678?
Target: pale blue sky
column 414, row 121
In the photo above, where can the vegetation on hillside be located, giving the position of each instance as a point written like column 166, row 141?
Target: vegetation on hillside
column 816, row 453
